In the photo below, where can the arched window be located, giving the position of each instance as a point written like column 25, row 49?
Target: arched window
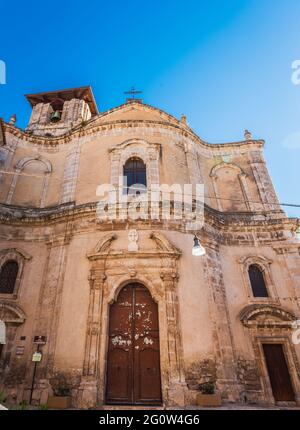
column 257, row 281
column 135, row 172
column 8, row 277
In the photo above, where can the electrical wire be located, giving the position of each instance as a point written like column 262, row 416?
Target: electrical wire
column 206, row 196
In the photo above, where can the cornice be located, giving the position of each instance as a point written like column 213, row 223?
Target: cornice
column 22, row 216
column 136, row 255
column 93, row 128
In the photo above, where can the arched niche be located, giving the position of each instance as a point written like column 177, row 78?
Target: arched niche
column 30, row 182
column 230, row 186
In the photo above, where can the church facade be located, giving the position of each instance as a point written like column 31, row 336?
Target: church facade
column 115, row 308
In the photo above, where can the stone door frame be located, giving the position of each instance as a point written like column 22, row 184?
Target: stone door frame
column 291, row 362
column 271, row 324
column 110, row 271
column 13, row 317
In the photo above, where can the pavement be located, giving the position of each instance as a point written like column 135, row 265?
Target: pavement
column 227, row 406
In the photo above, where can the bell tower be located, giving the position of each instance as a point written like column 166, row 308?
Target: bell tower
column 55, row 113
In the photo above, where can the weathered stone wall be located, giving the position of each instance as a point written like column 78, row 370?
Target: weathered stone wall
column 74, row 112
column 83, row 161
column 209, row 328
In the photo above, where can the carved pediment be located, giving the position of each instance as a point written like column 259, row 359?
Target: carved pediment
column 260, row 315
column 105, row 242
column 11, row 313
column 135, row 143
column 163, row 244
column 18, row 251
column 253, row 259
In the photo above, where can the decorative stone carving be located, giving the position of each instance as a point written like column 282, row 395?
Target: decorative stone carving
column 105, row 243
column 163, row 243
column 247, row 135
column 11, row 313
column 266, row 316
column 146, row 151
column 141, row 266
column 133, row 241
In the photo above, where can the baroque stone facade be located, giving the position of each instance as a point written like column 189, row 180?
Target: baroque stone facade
column 73, row 265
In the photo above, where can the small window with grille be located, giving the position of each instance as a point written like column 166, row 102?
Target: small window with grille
column 257, row 281
column 8, row 277
column 135, row 174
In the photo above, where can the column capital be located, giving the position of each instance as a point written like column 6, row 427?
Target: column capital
column 169, row 276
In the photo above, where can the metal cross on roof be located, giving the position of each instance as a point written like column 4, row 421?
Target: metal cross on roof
column 133, row 92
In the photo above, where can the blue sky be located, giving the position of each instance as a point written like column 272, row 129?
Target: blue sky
column 226, row 64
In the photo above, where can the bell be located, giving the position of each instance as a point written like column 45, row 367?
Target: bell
column 55, row 116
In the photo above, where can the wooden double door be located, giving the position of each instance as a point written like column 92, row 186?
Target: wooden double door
column 133, row 361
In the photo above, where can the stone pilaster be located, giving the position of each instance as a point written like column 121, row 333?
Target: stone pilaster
column 13, row 186
column 263, row 181
column 215, row 187
column 244, row 186
column 153, row 170
column 224, row 348
column 47, row 319
column 70, row 175
column 289, row 258
column 176, row 389
column 115, row 170
column 193, row 165
column 7, row 153
column 49, row 307
column 91, row 360
column 89, row 382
